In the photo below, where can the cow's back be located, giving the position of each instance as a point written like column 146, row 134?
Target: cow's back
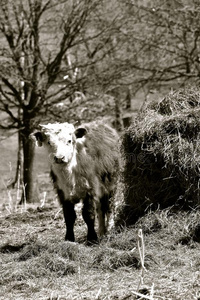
column 101, row 146
column 98, row 157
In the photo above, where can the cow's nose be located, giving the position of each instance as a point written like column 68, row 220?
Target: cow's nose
column 59, row 160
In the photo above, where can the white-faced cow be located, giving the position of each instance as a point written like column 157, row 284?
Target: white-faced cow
column 84, row 163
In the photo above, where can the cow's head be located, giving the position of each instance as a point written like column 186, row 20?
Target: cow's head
column 60, row 140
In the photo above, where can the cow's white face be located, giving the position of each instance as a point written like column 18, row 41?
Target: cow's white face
column 60, row 141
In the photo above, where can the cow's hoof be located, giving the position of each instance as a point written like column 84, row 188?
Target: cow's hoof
column 69, row 238
column 92, row 239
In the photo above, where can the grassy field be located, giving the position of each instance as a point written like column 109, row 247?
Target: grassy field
column 157, row 258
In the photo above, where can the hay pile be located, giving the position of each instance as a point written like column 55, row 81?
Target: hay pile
column 161, row 151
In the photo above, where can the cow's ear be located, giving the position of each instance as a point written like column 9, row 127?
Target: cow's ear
column 80, row 132
column 38, row 137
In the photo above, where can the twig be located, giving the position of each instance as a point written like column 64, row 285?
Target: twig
column 152, row 292
column 141, row 249
column 44, row 199
column 24, row 195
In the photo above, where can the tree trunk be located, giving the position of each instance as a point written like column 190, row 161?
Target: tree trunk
column 18, row 173
column 18, row 176
column 28, row 180
column 128, row 99
column 118, row 119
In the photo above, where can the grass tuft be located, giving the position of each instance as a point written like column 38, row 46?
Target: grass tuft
column 112, row 259
column 31, row 250
column 8, row 248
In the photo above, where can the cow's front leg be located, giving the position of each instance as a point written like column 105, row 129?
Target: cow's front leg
column 70, row 217
column 88, row 213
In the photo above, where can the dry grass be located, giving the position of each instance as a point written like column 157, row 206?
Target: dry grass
column 37, row 264
column 162, row 156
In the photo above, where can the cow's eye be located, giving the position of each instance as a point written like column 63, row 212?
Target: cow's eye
column 69, row 142
column 48, row 143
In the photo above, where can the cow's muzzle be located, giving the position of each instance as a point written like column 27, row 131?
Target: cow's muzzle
column 59, row 160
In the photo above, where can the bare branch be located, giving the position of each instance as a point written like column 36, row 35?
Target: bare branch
column 12, row 88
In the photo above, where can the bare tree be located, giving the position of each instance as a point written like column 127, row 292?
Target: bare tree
column 36, row 38
column 161, row 43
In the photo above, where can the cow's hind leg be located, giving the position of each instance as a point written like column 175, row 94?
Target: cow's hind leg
column 103, row 210
column 70, row 217
column 88, row 213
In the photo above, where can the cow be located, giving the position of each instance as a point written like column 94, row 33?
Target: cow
column 83, row 163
